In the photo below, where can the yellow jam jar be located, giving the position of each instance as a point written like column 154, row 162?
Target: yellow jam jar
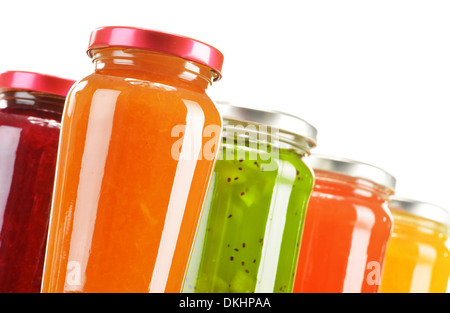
column 417, row 256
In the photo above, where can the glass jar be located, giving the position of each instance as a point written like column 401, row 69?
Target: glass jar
column 417, row 257
column 250, row 230
column 347, row 227
column 138, row 146
column 31, row 106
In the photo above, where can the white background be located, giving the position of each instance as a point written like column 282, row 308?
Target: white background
column 372, row 76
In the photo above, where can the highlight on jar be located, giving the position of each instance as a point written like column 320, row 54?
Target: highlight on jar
column 250, row 230
column 125, row 212
column 347, row 227
column 31, row 105
column 418, row 256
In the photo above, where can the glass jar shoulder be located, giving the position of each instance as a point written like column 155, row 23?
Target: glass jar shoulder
column 417, row 229
column 353, row 204
column 139, row 94
column 33, row 122
column 266, row 158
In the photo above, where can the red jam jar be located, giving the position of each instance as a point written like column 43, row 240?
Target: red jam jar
column 347, row 227
column 31, row 106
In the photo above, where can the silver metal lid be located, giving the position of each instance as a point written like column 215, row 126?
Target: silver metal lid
column 422, row 209
column 292, row 128
column 352, row 168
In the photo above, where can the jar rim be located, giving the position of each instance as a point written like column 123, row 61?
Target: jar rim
column 36, row 82
column 422, row 209
column 291, row 128
column 352, row 168
column 158, row 41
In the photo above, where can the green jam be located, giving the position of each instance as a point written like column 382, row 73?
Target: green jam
column 249, row 235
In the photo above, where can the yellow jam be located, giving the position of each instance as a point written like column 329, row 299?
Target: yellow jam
column 417, row 257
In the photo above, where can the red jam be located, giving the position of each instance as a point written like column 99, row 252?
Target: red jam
column 29, row 134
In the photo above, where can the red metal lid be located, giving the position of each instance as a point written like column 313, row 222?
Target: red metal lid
column 184, row 47
column 36, row 82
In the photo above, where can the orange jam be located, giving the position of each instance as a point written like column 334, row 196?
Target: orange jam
column 135, row 159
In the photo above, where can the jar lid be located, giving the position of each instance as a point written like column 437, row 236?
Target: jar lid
column 292, row 128
column 353, row 169
column 421, row 209
column 140, row 38
column 35, row 82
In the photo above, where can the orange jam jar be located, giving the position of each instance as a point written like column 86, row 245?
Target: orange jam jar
column 418, row 252
column 138, row 145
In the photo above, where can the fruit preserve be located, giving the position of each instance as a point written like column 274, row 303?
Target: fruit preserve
column 347, row 227
column 417, row 256
column 31, row 106
column 138, row 144
column 250, row 231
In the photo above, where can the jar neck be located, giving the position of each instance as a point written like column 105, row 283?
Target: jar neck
column 262, row 137
column 346, row 186
column 30, row 102
column 264, row 149
column 152, row 66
